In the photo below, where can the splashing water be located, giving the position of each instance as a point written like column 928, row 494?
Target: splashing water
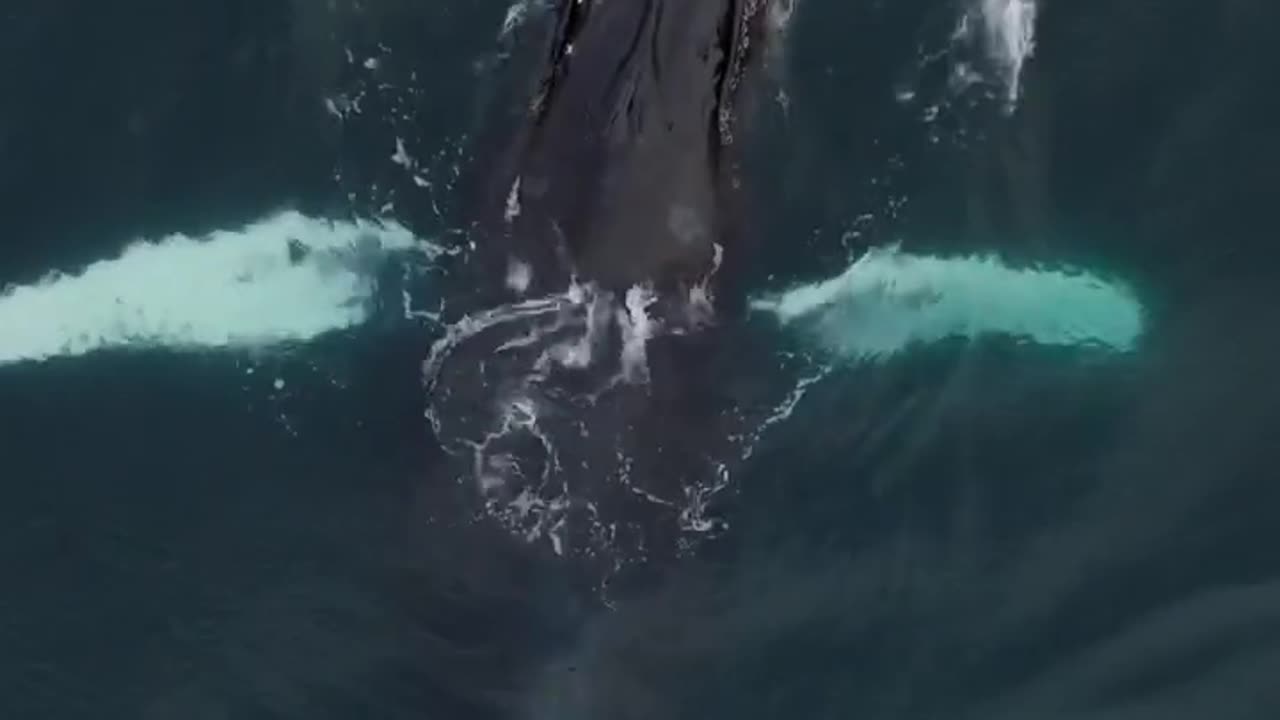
column 1009, row 29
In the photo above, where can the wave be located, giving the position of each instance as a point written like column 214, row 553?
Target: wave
column 285, row 278
column 888, row 301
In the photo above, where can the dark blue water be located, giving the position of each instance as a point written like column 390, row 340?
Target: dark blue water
column 979, row 530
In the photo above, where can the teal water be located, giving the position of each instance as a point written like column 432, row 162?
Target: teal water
column 1011, row 337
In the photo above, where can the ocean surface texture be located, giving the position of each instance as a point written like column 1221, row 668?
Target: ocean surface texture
column 989, row 433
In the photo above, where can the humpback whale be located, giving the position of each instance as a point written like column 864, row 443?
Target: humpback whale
column 577, row 396
column 623, row 170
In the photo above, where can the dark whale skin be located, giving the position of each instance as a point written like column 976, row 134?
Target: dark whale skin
column 622, row 172
column 616, row 167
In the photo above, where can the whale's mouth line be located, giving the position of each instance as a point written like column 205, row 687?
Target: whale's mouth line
column 732, row 30
column 571, row 16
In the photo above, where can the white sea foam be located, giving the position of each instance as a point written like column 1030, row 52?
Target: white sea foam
column 517, row 14
column 285, row 278
column 1009, row 27
column 888, row 301
column 637, row 329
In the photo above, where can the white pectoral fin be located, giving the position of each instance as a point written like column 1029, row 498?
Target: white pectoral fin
column 888, row 301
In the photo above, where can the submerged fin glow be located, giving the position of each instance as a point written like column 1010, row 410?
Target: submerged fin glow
column 284, row 278
column 888, row 301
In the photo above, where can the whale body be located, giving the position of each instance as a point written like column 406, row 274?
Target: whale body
column 582, row 398
column 624, row 170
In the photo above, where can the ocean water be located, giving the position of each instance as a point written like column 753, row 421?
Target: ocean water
column 1001, row 439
